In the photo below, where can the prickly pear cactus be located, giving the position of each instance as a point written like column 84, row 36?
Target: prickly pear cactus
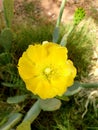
column 79, row 15
column 8, row 7
column 6, row 38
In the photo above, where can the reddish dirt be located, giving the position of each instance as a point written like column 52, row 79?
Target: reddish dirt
column 51, row 7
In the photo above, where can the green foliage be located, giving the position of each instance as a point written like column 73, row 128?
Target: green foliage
column 72, row 90
column 8, row 6
column 80, row 44
column 33, row 112
column 13, row 119
column 32, row 34
column 65, row 125
column 56, row 30
column 79, row 15
column 1, row 22
column 6, row 66
column 6, row 38
column 25, row 125
column 5, row 58
column 50, row 104
column 16, row 99
column 56, row 34
column 68, row 117
column 5, row 111
column 8, row 61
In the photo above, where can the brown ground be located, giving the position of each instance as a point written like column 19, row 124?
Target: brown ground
column 50, row 8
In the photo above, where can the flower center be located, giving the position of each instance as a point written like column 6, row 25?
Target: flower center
column 47, row 71
column 50, row 73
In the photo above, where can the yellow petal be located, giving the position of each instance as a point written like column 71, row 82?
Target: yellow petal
column 36, row 53
column 44, row 90
column 25, row 67
column 56, row 52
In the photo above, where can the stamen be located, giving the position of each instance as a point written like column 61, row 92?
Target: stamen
column 47, row 71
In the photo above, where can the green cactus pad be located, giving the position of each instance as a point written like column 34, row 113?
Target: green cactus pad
column 79, row 15
column 6, row 38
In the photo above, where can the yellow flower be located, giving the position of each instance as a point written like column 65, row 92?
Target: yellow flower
column 46, row 70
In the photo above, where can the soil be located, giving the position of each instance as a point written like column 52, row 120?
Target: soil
column 50, row 8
